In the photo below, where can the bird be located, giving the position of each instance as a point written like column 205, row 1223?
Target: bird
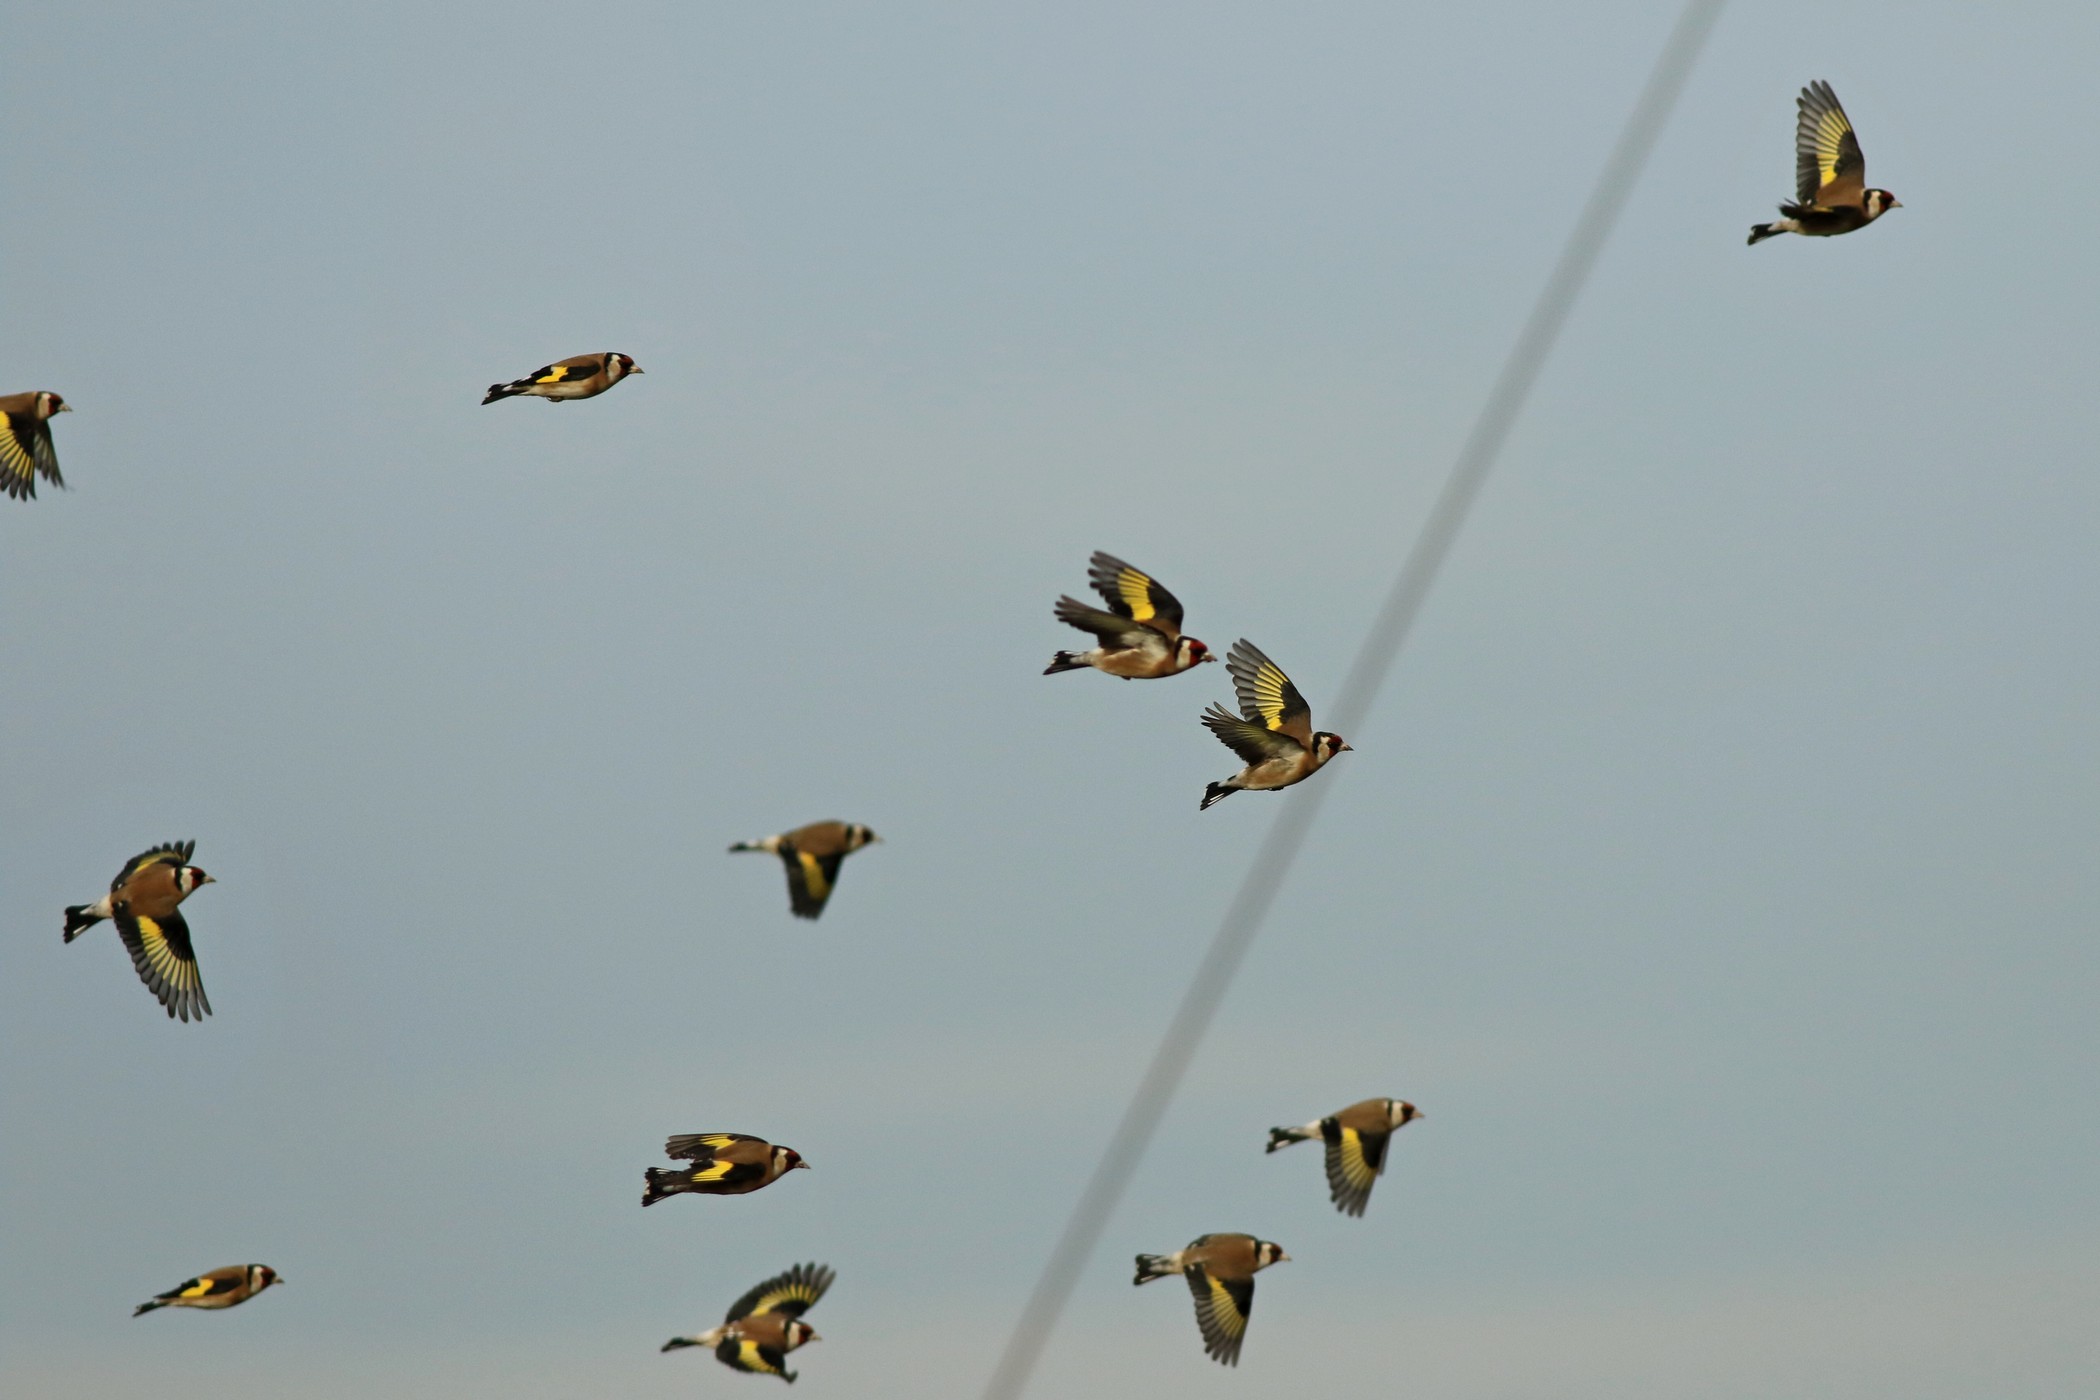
column 764, row 1325
column 25, row 442
column 1220, row 1270
column 1140, row 636
column 221, row 1288
column 723, row 1164
column 812, row 855
column 1273, row 731
column 1830, row 174
column 578, row 377
column 1356, row 1139
column 142, row 900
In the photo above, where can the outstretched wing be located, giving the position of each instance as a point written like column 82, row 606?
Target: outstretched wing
column 25, row 450
column 160, row 950
column 810, row 879
column 568, row 371
column 1135, row 594
column 790, row 1294
column 1250, row 741
column 167, row 853
column 744, row 1355
column 1354, row 1161
column 1828, row 167
column 1222, row 1309
column 1266, row 694
column 1113, row 629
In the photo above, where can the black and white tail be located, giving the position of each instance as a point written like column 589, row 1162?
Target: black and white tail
column 1760, row 232
column 1064, row 661
column 1216, row 792
column 1284, row 1137
column 79, row 919
column 1152, row 1266
column 506, row 391
column 142, row 1309
column 659, row 1184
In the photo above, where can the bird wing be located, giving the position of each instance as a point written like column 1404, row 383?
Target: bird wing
column 1250, row 741
column 167, row 853
column 1828, row 167
column 160, row 950
column 810, row 878
column 791, row 1294
column 695, row 1147
column 1354, row 1161
column 209, row 1285
column 25, row 450
column 1113, row 629
column 1222, row 1308
column 746, row 1355
column 567, row 371
column 1135, row 594
column 1266, row 694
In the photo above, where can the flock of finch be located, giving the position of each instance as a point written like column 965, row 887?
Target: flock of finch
column 1138, row 637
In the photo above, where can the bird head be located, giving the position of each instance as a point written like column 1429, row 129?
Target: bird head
column 858, row 836
column 787, row 1159
column 1268, row 1252
column 1879, row 202
column 1190, row 652
column 798, row 1334
column 48, row 403
column 261, row 1276
column 627, row 364
column 1326, row 745
column 190, row 877
column 1399, row 1112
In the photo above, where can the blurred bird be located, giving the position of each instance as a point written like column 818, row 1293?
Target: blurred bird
column 221, row 1288
column 25, row 442
column 578, row 377
column 1220, row 1270
column 1830, row 174
column 1356, row 1139
column 764, row 1325
column 1140, row 635
column 724, row 1164
column 1273, row 731
column 812, row 855
column 142, row 900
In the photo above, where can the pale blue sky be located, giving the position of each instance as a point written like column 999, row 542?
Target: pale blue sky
column 1716, row 872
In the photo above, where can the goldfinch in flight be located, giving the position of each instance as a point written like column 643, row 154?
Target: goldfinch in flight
column 1356, row 1139
column 723, row 1164
column 812, row 855
column 142, row 900
column 1220, row 1270
column 221, row 1288
column 1273, row 731
column 578, row 377
column 1830, row 174
column 25, row 442
column 1140, row 634
column 766, row 1323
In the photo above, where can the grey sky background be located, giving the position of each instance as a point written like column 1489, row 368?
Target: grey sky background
column 1716, row 871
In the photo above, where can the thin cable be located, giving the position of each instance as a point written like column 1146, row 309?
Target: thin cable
column 1374, row 660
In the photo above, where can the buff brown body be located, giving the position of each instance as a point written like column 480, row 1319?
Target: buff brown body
column 578, row 377
column 723, row 1164
column 26, row 450
column 1830, row 174
column 1356, row 1138
column 1139, row 637
column 143, row 901
column 812, row 855
column 1220, row 1270
column 221, row 1288
column 764, row 1325
column 1273, row 732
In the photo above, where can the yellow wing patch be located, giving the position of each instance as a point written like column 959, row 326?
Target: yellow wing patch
column 1355, row 1170
column 13, row 458
column 1135, row 589
column 161, row 958
column 750, row 1358
column 201, row 1288
column 713, row 1171
column 813, row 876
column 1831, row 129
column 554, row 374
column 1272, row 694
